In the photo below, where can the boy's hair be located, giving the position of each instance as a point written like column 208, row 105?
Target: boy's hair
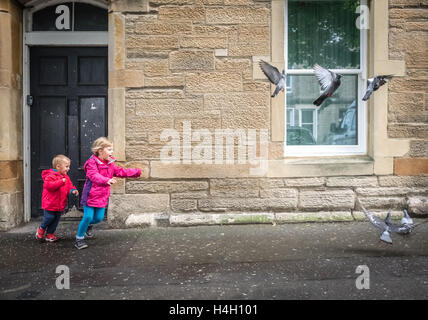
column 101, row 143
column 58, row 159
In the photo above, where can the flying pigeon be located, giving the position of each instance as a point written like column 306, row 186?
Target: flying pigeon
column 329, row 82
column 387, row 227
column 274, row 76
column 375, row 83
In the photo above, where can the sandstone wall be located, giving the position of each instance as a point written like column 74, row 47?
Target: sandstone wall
column 408, row 96
column 195, row 61
column 11, row 171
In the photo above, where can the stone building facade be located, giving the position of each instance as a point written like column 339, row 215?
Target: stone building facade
column 193, row 65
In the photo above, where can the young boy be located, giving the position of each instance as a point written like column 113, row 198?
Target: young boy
column 56, row 186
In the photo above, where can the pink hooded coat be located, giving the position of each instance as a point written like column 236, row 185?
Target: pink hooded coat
column 96, row 190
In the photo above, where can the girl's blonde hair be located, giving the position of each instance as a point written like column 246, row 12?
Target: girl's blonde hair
column 58, row 159
column 101, row 143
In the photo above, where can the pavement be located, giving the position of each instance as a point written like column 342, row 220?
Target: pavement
column 240, row 262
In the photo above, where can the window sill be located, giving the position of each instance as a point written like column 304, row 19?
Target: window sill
column 321, row 167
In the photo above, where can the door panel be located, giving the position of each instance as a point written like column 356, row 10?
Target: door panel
column 69, row 88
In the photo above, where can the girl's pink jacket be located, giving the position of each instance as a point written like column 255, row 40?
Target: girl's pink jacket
column 96, row 190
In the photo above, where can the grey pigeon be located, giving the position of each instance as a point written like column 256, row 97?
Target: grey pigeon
column 329, row 82
column 274, row 76
column 387, row 227
column 375, row 83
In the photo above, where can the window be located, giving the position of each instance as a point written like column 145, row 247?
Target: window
column 324, row 32
column 70, row 16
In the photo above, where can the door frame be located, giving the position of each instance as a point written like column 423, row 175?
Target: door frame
column 47, row 38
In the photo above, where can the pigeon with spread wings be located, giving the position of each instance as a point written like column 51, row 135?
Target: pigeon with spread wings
column 329, row 82
column 375, row 83
column 274, row 76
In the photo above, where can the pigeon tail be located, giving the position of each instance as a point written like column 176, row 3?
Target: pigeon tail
column 386, row 237
column 367, row 96
column 277, row 90
column 320, row 100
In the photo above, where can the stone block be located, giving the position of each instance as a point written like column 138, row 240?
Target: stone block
column 304, row 182
column 403, row 181
column 351, row 181
column 237, row 15
column 278, row 193
column 191, row 60
column 168, row 107
column 326, row 200
column 256, row 48
column 234, row 188
column 408, row 130
column 247, row 204
column 163, row 28
column 329, row 216
column 9, row 169
column 182, row 13
column 184, row 205
column 418, row 148
column 152, row 42
column 122, row 206
column 199, row 42
column 167, row 82
column 165, row 186
column 236, row 101
column 418, row 205
column 410, row 166
column 382, row 202
column 206, row 82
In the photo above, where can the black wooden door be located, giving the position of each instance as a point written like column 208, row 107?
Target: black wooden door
column 69, row 111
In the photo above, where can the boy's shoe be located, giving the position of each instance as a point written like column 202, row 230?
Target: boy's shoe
column 51, row 238
column 89, row 233
column 40, row 234
column 80, row 244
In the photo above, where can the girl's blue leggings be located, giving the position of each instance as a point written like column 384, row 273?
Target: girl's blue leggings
column 91, row 215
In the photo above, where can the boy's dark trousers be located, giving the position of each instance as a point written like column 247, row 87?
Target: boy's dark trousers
column 50, row 220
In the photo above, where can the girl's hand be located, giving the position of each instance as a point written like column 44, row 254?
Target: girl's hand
column 75, row 192
column 63, row 180
column 111, row 181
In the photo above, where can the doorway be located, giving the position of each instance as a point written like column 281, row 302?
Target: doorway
column 69, row 90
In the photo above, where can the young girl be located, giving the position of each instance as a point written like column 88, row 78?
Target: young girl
column 100, row 172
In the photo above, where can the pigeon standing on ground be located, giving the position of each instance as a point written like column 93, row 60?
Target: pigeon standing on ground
column 387, row 227
column 274, row 76
column 329, row 82
column 375, row 83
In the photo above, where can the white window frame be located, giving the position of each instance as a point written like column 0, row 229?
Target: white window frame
column 334, row 150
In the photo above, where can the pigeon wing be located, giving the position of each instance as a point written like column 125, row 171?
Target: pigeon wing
column 376, row 221
column 270, row 71
column 324, row 76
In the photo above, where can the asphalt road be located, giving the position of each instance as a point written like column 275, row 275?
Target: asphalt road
column 290, row 261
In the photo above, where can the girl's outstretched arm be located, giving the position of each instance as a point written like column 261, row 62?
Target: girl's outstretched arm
column 126, row 173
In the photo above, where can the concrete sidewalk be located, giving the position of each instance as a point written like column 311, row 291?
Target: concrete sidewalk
column 289, row 261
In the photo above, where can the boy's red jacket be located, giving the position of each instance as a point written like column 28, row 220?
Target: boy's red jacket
column 55, row 191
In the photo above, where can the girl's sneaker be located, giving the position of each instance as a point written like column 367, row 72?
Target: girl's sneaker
column 89, row 233
column 51, row 238
column 80, row 244
column 40, row 234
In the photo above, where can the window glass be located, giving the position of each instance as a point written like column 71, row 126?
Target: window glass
column 44, row 19
column 332, row 123
column 323, row 32
column 89, row 18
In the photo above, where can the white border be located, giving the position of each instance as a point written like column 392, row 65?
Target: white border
column 46, row 38
column 361, row 148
